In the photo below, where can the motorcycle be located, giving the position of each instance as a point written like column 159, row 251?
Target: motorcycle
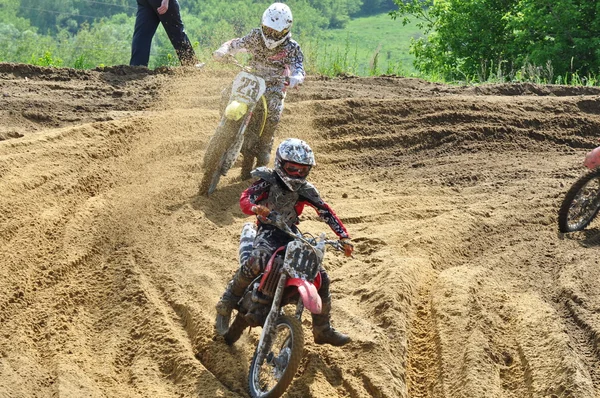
column 582, row 201
column 240, row 128
column 291, row 277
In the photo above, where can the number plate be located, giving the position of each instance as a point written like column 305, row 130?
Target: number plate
column 301, row 261
column 247, row 87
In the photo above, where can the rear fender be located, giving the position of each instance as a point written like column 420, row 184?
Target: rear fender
column 309, row 293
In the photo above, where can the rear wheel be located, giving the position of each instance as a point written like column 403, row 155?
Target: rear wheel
column 273, row 376
column 218, row 144
column 581, row 203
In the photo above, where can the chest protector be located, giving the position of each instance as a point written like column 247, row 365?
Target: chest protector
column 280, row 199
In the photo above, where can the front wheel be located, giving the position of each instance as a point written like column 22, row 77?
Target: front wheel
column 581, row 203
column 216, row 149
column 272, row 377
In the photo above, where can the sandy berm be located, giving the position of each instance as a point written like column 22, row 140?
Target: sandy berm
column 111, row 263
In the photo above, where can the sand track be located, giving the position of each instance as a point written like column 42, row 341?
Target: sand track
column 460, row 287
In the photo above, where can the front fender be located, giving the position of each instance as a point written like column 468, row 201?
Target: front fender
column 308, row 292
column 235, row 110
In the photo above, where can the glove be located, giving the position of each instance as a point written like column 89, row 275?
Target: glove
column 261, row 211
column 295, row 80
column 348, row 246
column 219, row 54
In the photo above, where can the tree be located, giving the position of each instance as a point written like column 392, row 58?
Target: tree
column 50, row 16
column 8, row 14
column 472, row 39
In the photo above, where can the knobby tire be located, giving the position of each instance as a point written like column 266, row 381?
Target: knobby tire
column 294, row 362
column 572, row 193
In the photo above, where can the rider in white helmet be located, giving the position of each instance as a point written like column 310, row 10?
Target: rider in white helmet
column 272, row 49
column 286, row 191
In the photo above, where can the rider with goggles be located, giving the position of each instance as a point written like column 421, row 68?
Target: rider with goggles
column 286, row 191
column 273, row 49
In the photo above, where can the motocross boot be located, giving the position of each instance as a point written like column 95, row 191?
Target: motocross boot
column 233, row 293
column 323, row 332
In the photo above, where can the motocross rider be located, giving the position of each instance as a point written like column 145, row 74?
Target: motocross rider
column 286, row 191
column 272, row 49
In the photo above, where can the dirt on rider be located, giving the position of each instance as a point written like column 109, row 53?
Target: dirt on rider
column 286, row 191
column 272, row 48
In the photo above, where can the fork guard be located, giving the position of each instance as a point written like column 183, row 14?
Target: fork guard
column 310, row 296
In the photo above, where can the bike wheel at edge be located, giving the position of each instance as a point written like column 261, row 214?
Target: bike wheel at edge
column 271, row 378
column 581, row 203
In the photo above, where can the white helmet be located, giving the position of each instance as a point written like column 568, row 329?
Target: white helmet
column 276, row 24
column 293, row 162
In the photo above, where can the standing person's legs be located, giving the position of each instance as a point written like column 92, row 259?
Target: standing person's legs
column 146, row 22
column 173, row 25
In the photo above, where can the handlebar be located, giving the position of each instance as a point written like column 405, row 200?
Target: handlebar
column 230, row 59
column 233, row 60
column 276, row 220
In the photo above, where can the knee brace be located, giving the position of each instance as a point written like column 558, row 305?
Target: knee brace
column 256, row 264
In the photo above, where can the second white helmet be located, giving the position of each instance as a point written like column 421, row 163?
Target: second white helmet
column 276, row 24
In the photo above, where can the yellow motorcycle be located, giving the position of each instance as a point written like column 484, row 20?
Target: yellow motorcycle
column 241, row 126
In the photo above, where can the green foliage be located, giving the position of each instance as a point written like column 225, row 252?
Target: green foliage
column 364, row 37
column 51, row 16
column 449, row 40
column 8, row 15
column 324, row 59
column 374, row 7
column 487, row 39
column 337, row 11
column 46, row 60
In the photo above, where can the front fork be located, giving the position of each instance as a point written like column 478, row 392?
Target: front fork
column 269, row 326
column 233, row 151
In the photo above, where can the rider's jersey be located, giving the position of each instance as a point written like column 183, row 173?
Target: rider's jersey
column 269, row 191
column 287, row 58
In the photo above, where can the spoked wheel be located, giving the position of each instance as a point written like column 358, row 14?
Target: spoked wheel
column 218, row 144
column 581, row 204
column 273, row 376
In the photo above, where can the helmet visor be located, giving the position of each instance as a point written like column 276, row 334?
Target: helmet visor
column 296, row 170
column 273, row 34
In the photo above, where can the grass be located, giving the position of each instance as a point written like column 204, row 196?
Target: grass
column 367, row 46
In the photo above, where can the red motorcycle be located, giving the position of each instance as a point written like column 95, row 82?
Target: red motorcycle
column 582, row 202
column 291, row 277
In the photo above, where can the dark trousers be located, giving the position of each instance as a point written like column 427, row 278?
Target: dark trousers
column 146, row 23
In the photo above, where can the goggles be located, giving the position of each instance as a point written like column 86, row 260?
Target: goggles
column 273, row 34
column 296, row 170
